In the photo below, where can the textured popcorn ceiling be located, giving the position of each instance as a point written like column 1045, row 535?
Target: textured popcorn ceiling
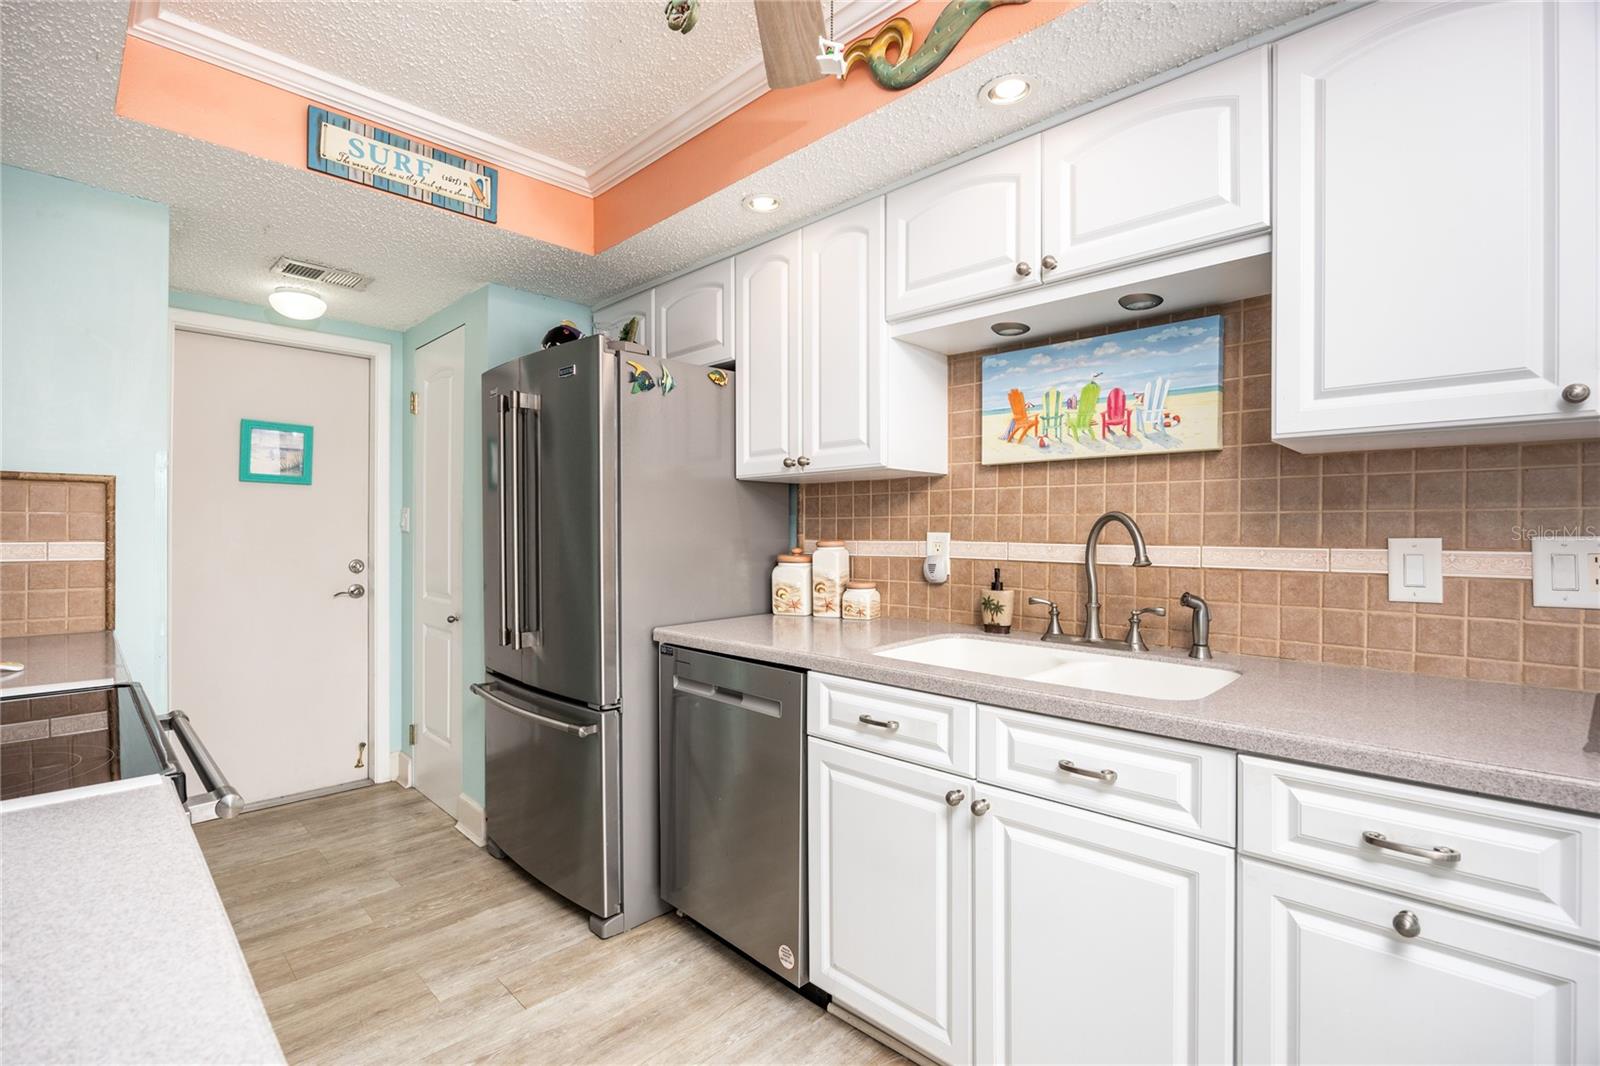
column 512, row 69
column 232, row 215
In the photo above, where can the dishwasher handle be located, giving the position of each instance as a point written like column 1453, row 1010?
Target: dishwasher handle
column 227, row 799
column 745, row 701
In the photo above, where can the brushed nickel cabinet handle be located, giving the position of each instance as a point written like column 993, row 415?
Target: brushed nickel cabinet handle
column 955, row 797
column 891, row 725
column 980, row 807
column 1575, row 393
column 803, row 462
column 1407, row 924
column 1108, row 776
column 1048, row 262
column 1441, row 855
column 789, row 463
column 1023, row 270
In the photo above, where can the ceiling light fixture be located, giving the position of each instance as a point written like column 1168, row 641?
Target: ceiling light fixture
column 1011, row 329
column 297, row 304
column 1005, row 90
column 1140, row 301
column 761, row 202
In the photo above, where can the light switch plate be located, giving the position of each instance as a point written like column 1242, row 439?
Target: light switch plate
column 1416, row 570
column 1566, row 572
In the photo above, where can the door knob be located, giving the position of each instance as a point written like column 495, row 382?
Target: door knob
column 355, row 592
column 1575, row 393
column 1023, row 270
column 452, row 618
column 1048, row 262
column 1407, row 924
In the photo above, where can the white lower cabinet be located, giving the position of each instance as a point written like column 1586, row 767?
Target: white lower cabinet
column 1098, row 940
column 1325, row 975
column 890, row 879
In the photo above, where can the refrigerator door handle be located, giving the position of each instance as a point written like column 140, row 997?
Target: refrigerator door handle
column 501, row 408
column 525, row 636
column 487, row 692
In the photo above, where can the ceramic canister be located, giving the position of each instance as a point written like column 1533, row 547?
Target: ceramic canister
column 791, row 583
column 830, row 569
column 861, row 602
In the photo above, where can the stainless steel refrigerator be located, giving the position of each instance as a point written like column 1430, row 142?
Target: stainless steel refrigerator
column 610, row 507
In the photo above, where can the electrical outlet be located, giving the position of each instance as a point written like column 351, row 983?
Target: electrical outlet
column 936, row 564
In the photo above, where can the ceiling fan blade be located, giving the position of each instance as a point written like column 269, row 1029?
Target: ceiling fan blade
column 789, row 31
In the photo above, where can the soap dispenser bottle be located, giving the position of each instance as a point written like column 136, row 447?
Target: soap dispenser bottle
column 995, row 606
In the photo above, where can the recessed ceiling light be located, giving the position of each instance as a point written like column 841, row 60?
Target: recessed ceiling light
column 1006, row 89
column 1011, row 329
column 1140, row 301
column 761, row 201
column 297, row 304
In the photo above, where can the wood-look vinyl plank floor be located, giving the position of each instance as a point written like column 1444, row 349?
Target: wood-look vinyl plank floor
column 377, row 933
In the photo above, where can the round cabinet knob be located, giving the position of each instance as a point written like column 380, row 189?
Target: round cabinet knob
column 1023, row 270
column 1575, row 393
column 788, row 463
column 1407, row 924
column 954, row 797
column 980, row 807
column 1048, row 262
column 804, row 461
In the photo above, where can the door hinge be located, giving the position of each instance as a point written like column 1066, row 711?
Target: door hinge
column 415, row 405
column 413, row 734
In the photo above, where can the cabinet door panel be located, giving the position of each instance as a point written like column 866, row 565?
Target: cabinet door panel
column 610, row 320
column 1324, row 977
column 1098, row 940
column 960, row 234
column 890, row 869
column 1175, row 166
column 767, row 332
column 1434, row 231
column 841, row 392
column 694, row 316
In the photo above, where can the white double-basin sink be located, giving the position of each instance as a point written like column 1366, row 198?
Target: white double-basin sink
column 1054, row 664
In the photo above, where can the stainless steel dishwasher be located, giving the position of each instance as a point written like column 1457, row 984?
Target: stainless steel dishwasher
column 733, row 803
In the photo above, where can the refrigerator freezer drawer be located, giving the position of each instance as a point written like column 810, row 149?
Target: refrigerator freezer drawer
column 553, row 800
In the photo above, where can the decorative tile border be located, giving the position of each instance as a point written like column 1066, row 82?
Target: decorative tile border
column 1509, row 565
column 36, row 551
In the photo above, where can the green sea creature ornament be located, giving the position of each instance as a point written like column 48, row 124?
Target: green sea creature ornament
column 911, row 67
column 682, row 15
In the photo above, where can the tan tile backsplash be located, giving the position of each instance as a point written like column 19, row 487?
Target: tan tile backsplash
column 57, row 550
column 1251, row 494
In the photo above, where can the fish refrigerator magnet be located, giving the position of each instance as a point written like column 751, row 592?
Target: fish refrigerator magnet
column 639, row 378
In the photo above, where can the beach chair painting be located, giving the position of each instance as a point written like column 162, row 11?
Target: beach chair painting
column 1151, row 391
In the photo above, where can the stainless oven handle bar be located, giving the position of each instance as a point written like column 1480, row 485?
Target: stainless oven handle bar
column 228, row 801
column 487, row 692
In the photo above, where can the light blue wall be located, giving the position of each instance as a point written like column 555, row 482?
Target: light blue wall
column 501, row 324
column 189, row 301
column 83, row 373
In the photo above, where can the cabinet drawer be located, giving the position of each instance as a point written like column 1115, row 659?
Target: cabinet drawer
column 1172, row 784
column 1522, row 864
column 932, row 730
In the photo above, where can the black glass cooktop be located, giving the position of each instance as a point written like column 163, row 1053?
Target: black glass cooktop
column 67, row 740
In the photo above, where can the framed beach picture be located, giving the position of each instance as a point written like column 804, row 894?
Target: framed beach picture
column 1149, row 391
column 274, row 451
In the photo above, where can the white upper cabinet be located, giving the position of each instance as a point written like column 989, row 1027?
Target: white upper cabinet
column 828, row 392
column 611, row 320
column 966, row 232
column 1435, row 227
column 694, row 316
column 842, row 375
column 1097, row 940
column 1182, row 164
column 766, row 300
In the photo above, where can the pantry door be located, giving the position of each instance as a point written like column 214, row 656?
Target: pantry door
column 270, row 612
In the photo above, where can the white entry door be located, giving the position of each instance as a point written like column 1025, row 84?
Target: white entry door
column 273, row 667
column 438, row 382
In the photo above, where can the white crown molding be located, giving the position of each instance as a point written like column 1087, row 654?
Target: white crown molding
column 149, row 22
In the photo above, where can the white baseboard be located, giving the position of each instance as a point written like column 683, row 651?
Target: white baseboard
column 469, row 819
column 400, row 769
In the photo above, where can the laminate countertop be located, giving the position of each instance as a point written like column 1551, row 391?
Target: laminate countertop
column 61, row 662
column 1510, row 741
column 116, row 945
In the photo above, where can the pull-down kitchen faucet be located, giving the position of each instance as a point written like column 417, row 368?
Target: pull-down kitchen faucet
column 1091, row 609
